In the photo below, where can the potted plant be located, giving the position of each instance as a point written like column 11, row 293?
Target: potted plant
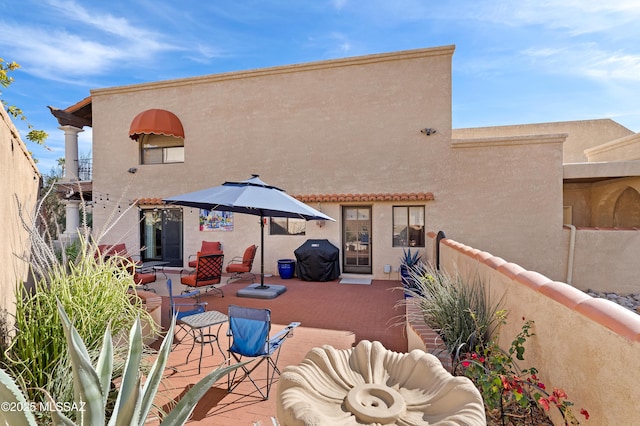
column 410, row 263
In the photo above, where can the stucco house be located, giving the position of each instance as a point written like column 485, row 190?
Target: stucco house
column 369, row 141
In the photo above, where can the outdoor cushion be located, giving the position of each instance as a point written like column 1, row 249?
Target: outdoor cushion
column 208, row 247
column 141, row 279
column 211, row 247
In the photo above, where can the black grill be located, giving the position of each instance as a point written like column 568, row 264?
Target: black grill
column 317, row 260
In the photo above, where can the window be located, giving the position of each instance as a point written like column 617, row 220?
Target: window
column 408, row 226
column 161, row 149
column 287, row 226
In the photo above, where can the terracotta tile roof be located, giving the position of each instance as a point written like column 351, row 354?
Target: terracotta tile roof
column 329, row 198
column 336, row 198
column 149, row 201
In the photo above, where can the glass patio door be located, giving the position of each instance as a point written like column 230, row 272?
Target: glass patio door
column 356, row 239
column 161, row 235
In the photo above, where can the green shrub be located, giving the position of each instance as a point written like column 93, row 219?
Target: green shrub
column 508, row 391
column 94, row 293
column 92, row 384
column 461, row 312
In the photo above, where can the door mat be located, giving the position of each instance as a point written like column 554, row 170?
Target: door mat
column 366, row 281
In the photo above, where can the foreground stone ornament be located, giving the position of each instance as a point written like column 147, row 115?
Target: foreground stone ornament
column 370, row 385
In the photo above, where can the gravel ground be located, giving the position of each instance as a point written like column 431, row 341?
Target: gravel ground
column 630, row 301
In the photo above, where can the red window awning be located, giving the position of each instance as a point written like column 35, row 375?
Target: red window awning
column 156, row 122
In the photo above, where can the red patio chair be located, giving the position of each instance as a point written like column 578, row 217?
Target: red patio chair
column 239, row 266
column 208, row 247
column 208, row 273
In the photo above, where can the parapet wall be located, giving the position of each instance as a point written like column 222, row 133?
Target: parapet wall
column 587, row 346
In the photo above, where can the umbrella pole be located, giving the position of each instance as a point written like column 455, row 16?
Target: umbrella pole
column 262, row 286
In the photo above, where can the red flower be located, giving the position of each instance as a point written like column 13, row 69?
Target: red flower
column 506, row 384
column 541, row 386
column 466, row 363
column 545, row 403
column 559, row 393
column 585, row 413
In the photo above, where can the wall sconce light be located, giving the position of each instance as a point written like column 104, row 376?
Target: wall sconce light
column 132, row 170
column 428, row 131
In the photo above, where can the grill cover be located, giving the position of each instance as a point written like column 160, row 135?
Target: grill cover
column 317, row 260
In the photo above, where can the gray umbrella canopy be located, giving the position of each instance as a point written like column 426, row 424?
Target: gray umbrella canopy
column 251, row 196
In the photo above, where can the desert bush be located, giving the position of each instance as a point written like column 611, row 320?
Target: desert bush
column 94, row 293
column 461, row 312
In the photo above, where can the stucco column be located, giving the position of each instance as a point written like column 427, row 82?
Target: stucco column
column 70, row 152
column 72, row 207
column 72, row 213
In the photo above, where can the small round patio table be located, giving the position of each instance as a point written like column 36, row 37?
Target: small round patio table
column 198, row 323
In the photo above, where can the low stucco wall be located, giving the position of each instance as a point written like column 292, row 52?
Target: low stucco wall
column 18, row 195
column 586, row 346
column 153, row 304
column 604, row 259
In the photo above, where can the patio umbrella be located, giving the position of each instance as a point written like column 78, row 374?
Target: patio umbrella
column 251, row 196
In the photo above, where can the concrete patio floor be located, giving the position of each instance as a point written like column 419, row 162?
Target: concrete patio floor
column 331, row 313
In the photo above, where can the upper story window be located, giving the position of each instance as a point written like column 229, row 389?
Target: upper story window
column 161, row 149
column 287, row 226
column 160, row 136
column 408, row 226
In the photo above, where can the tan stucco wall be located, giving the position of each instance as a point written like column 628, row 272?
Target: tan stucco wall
column 342, row 126
column 581, row 344
column 505, row 196
column 604, row 259
column 623, row 149
column 600, row 204
column 20, row 184
column 582, row 134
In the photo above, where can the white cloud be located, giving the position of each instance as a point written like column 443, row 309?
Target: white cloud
column 338, row 4
column 587, row 60
column 574, row 16
column 101, row 44
column 335, row 44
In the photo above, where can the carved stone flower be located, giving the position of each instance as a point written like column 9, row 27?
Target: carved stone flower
column 371, row 385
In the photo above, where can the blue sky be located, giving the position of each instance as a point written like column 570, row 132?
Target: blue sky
column 515, row 62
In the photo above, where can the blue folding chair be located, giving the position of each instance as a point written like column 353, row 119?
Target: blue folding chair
column 181, row 309
column 249, row 337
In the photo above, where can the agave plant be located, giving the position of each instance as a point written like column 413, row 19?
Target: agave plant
column 92, row 384
column 409, row 259
column 410, row 264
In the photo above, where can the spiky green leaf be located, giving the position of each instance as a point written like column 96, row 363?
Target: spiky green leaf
column 104, row 366
column 155, row 374
column 11, row 394
column 127, row 402
column 87, row 388
column 181, row 412
column 57, row 417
